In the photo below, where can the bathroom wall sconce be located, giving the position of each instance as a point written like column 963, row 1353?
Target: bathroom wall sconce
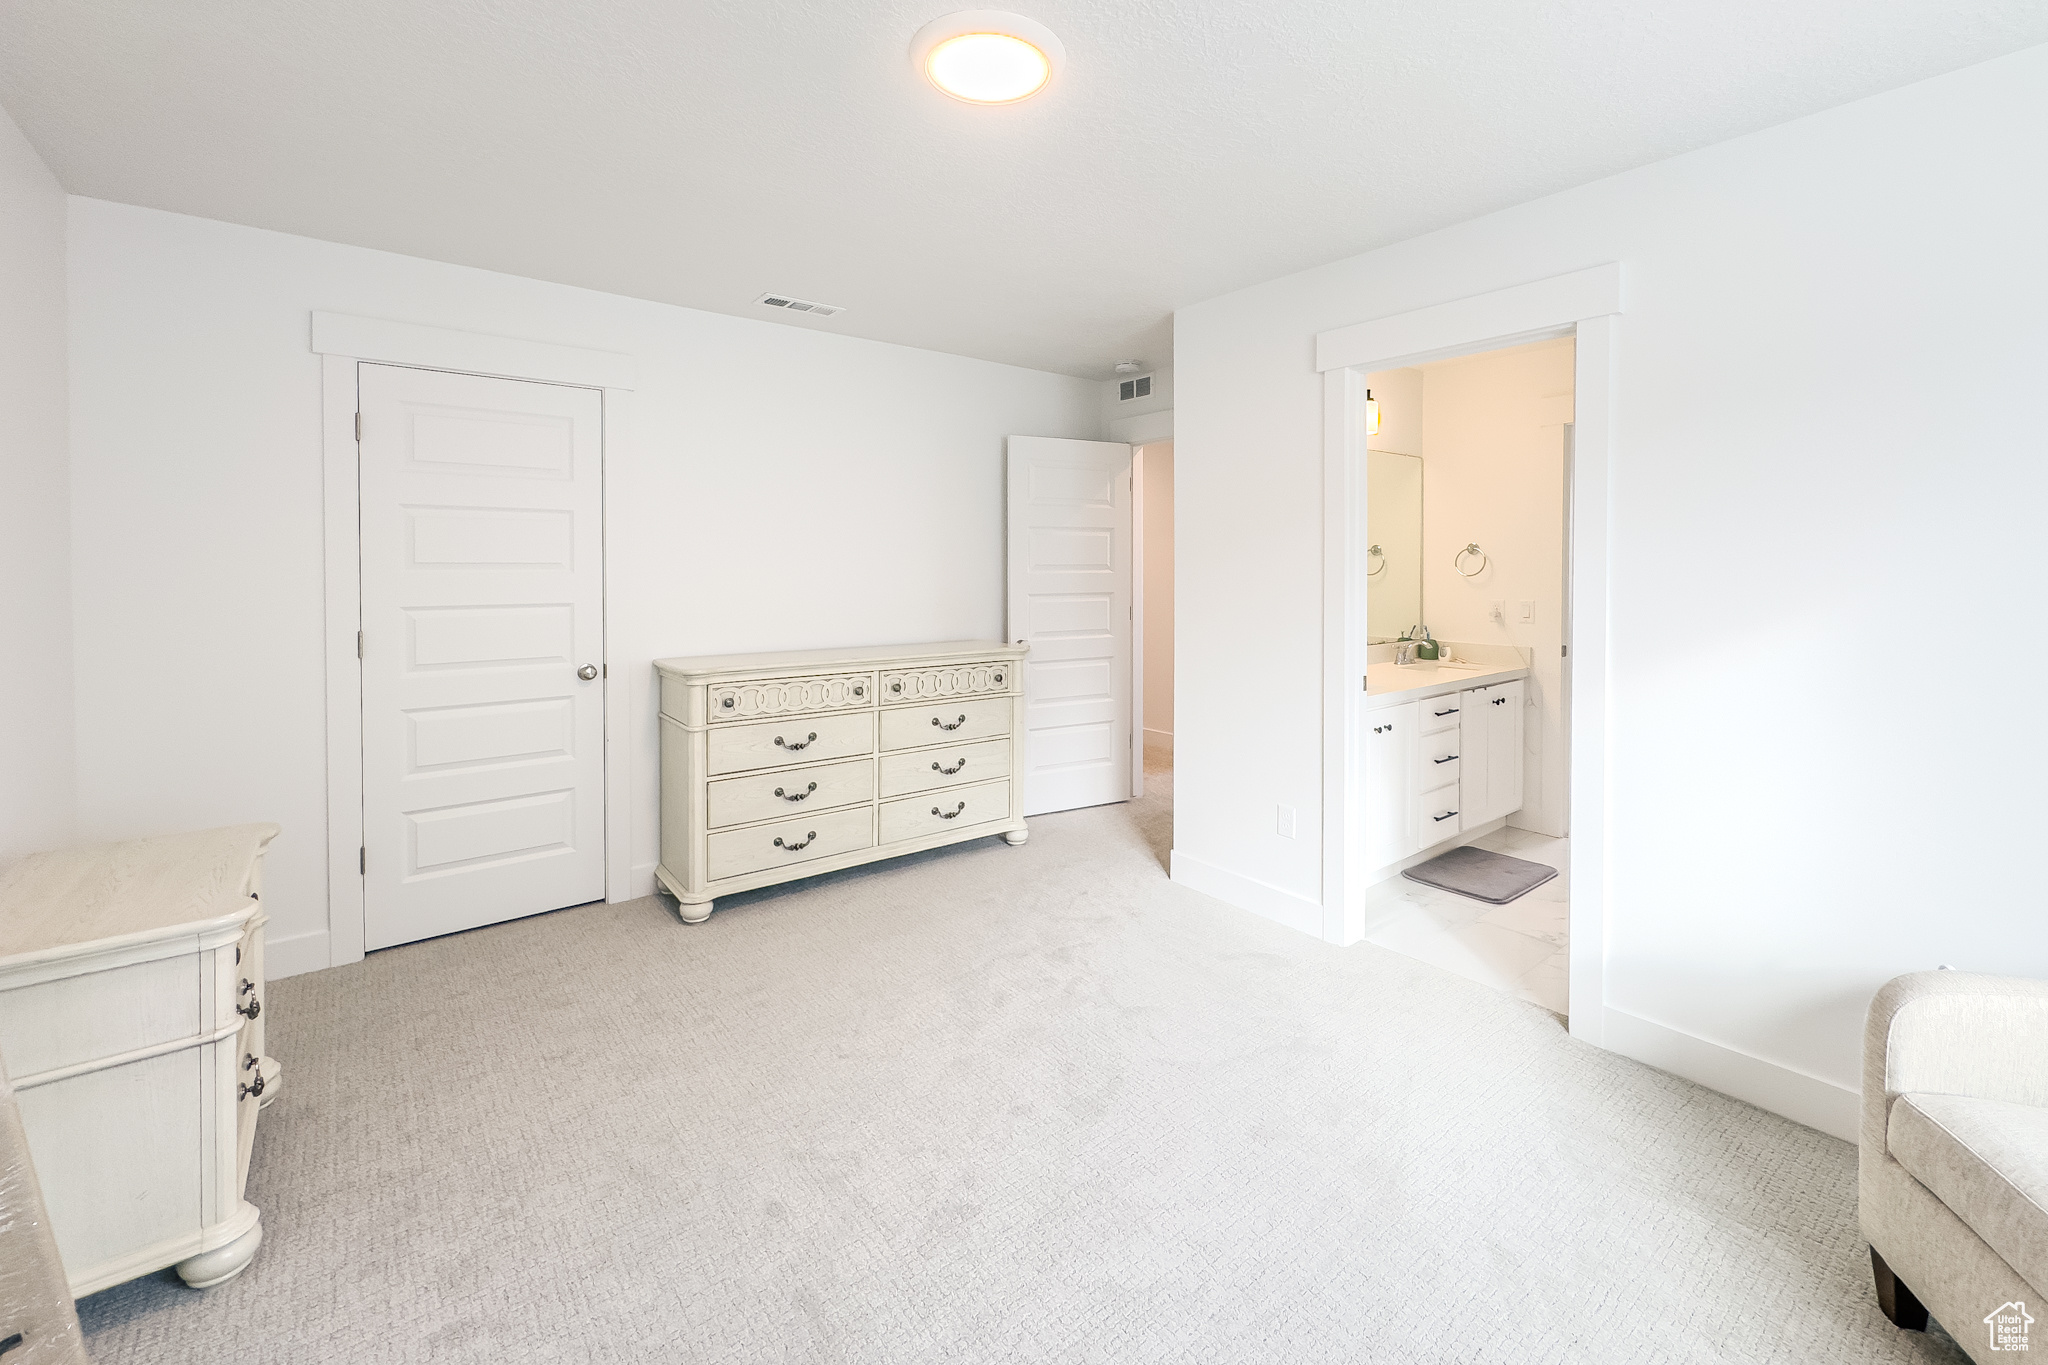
column 1372, row 414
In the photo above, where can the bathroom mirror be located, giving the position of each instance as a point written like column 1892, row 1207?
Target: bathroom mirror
column 1393, row 531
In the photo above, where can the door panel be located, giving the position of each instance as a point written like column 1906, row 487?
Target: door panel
column 483, row 751
column 1069, row 551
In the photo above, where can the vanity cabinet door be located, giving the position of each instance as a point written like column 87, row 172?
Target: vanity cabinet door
column 1390, row 738
column 1504, row 749
column 1475, row 753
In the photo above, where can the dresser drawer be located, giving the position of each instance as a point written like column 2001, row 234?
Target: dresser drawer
column 955, row 680
column 946, row 722
column 791, row 792
column 950, row 766
column 941, row 812
column 1441, row 713
column 774, row 743
column 736, row 852
column 751, row 699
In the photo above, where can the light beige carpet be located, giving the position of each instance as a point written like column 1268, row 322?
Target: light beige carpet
column 995, row 1104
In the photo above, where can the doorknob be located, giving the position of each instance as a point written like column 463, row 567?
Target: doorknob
column 587, row 672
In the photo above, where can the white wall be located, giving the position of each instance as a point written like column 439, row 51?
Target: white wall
column 1494, row 475
column 1827, row 427
column 1157, row 459
column 779, row 488
column 1121, row 419
column 36, row 791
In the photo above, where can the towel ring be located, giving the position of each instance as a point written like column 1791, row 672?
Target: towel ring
column 1373, row 552
column 1457, row 560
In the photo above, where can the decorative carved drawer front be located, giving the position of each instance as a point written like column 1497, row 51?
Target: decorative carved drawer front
column 937, row 812
column 955, row 766
column 790, row 792
column 957, row 680
column 800, row 739
column 751, row 700
column 947, row 722
column 736, row 852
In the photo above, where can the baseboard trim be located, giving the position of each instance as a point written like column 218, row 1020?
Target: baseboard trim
column 1248, row 893
column 639, row 883
column 1159, row 739
column 297, row 955
column 1806, row 1099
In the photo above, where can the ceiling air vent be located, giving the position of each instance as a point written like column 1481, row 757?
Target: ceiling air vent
column 1141, row 387
column 784, row 301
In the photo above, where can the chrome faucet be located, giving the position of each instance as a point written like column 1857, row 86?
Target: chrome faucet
column 1404, row 648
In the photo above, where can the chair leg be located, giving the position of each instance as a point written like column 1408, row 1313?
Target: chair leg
column 1895, row 1298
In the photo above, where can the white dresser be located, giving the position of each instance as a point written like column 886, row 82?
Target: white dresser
column 779, row 766
column 131, row 1024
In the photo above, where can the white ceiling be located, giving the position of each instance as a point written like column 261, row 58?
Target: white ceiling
column 700, row 152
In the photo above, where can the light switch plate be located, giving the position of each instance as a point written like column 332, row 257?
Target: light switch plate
column 1283, row 821
column 1526, row 611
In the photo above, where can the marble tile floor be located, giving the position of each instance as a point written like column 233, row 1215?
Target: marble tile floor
column 1517, row 948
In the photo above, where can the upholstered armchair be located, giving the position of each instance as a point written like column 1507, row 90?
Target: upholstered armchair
column 1954, row 1159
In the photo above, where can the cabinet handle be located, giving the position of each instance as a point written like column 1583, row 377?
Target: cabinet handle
column 950, row 771
column 1452, row 712
column 248, row 1061
column 799, row 796
column 253, row 1007
column 804, row 743
column 792, row 848
column 1500, row 701
column 954, row 726
column 859, row 690
column 1447, row 758
column 726, row 702
column 1445, row 816
column 247, row 984
column 999, row 677
column 954, row 814
column 252, row 1088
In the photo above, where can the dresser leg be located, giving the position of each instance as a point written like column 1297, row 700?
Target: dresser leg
column 221, row 1264
column 1014, row 837
column 694, row 914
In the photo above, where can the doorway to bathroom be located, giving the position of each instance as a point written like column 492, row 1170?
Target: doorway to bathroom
column 1466, row 755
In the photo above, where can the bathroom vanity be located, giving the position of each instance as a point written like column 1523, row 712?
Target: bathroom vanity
column 1443, row 754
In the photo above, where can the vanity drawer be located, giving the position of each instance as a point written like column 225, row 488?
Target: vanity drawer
column 1437, row 815
column 946, row 722
column 1437, row 757
column 950, row 766
column 736, row 852
column 765, row 796
column 773, row 743
column 956, row 680
column 938, row 812
column 1441, row 713
column 751, row 699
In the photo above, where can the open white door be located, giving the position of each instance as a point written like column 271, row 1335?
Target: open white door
column 1070, row 600
column 483, row 650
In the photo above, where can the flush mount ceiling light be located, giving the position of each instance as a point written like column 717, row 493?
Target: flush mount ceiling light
column 987, row 56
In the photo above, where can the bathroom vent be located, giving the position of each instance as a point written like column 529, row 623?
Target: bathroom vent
column 1140, row 387
column 816, row 310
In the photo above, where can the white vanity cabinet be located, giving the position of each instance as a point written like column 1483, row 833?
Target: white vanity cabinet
column 1440, row 766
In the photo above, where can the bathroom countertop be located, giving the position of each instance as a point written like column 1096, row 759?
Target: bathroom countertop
column 1386, row 684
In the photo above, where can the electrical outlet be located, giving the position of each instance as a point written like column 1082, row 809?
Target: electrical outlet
column 1525, row 611
column 1283, row 821
column 1499, row 612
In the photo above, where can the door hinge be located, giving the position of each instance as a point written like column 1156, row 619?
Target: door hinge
column 363, row 861
column 359, row 428
column 359, row 644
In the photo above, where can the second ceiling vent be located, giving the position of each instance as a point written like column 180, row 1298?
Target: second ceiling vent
column 816, row 310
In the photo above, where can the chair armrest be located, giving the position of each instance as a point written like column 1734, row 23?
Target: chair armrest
column 1953, row 1033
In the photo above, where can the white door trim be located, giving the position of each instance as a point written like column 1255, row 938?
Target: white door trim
column 1137, row 621
column 1584, row 303
column 344, row 342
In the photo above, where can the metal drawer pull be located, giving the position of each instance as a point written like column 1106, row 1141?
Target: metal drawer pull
column 1500, row 701
column 251, row 1089
column 950, row 771
column 799, row 796
column 806, row 742
column 859, row 691
column 254, row 1007
column 726, row 702
column 1445, row 816
column 248, row 1061
column 247, row 984
column 793, row 848
column 954, row 726
column 1447, row 758
column 1452, row 712
column 954, row 814
column 999, row 677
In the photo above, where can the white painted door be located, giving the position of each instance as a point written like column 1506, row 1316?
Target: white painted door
column 1475, row 758
column 483, row 743
column 1070, row 600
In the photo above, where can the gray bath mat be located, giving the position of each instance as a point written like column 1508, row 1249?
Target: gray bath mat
column 1492, row 877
